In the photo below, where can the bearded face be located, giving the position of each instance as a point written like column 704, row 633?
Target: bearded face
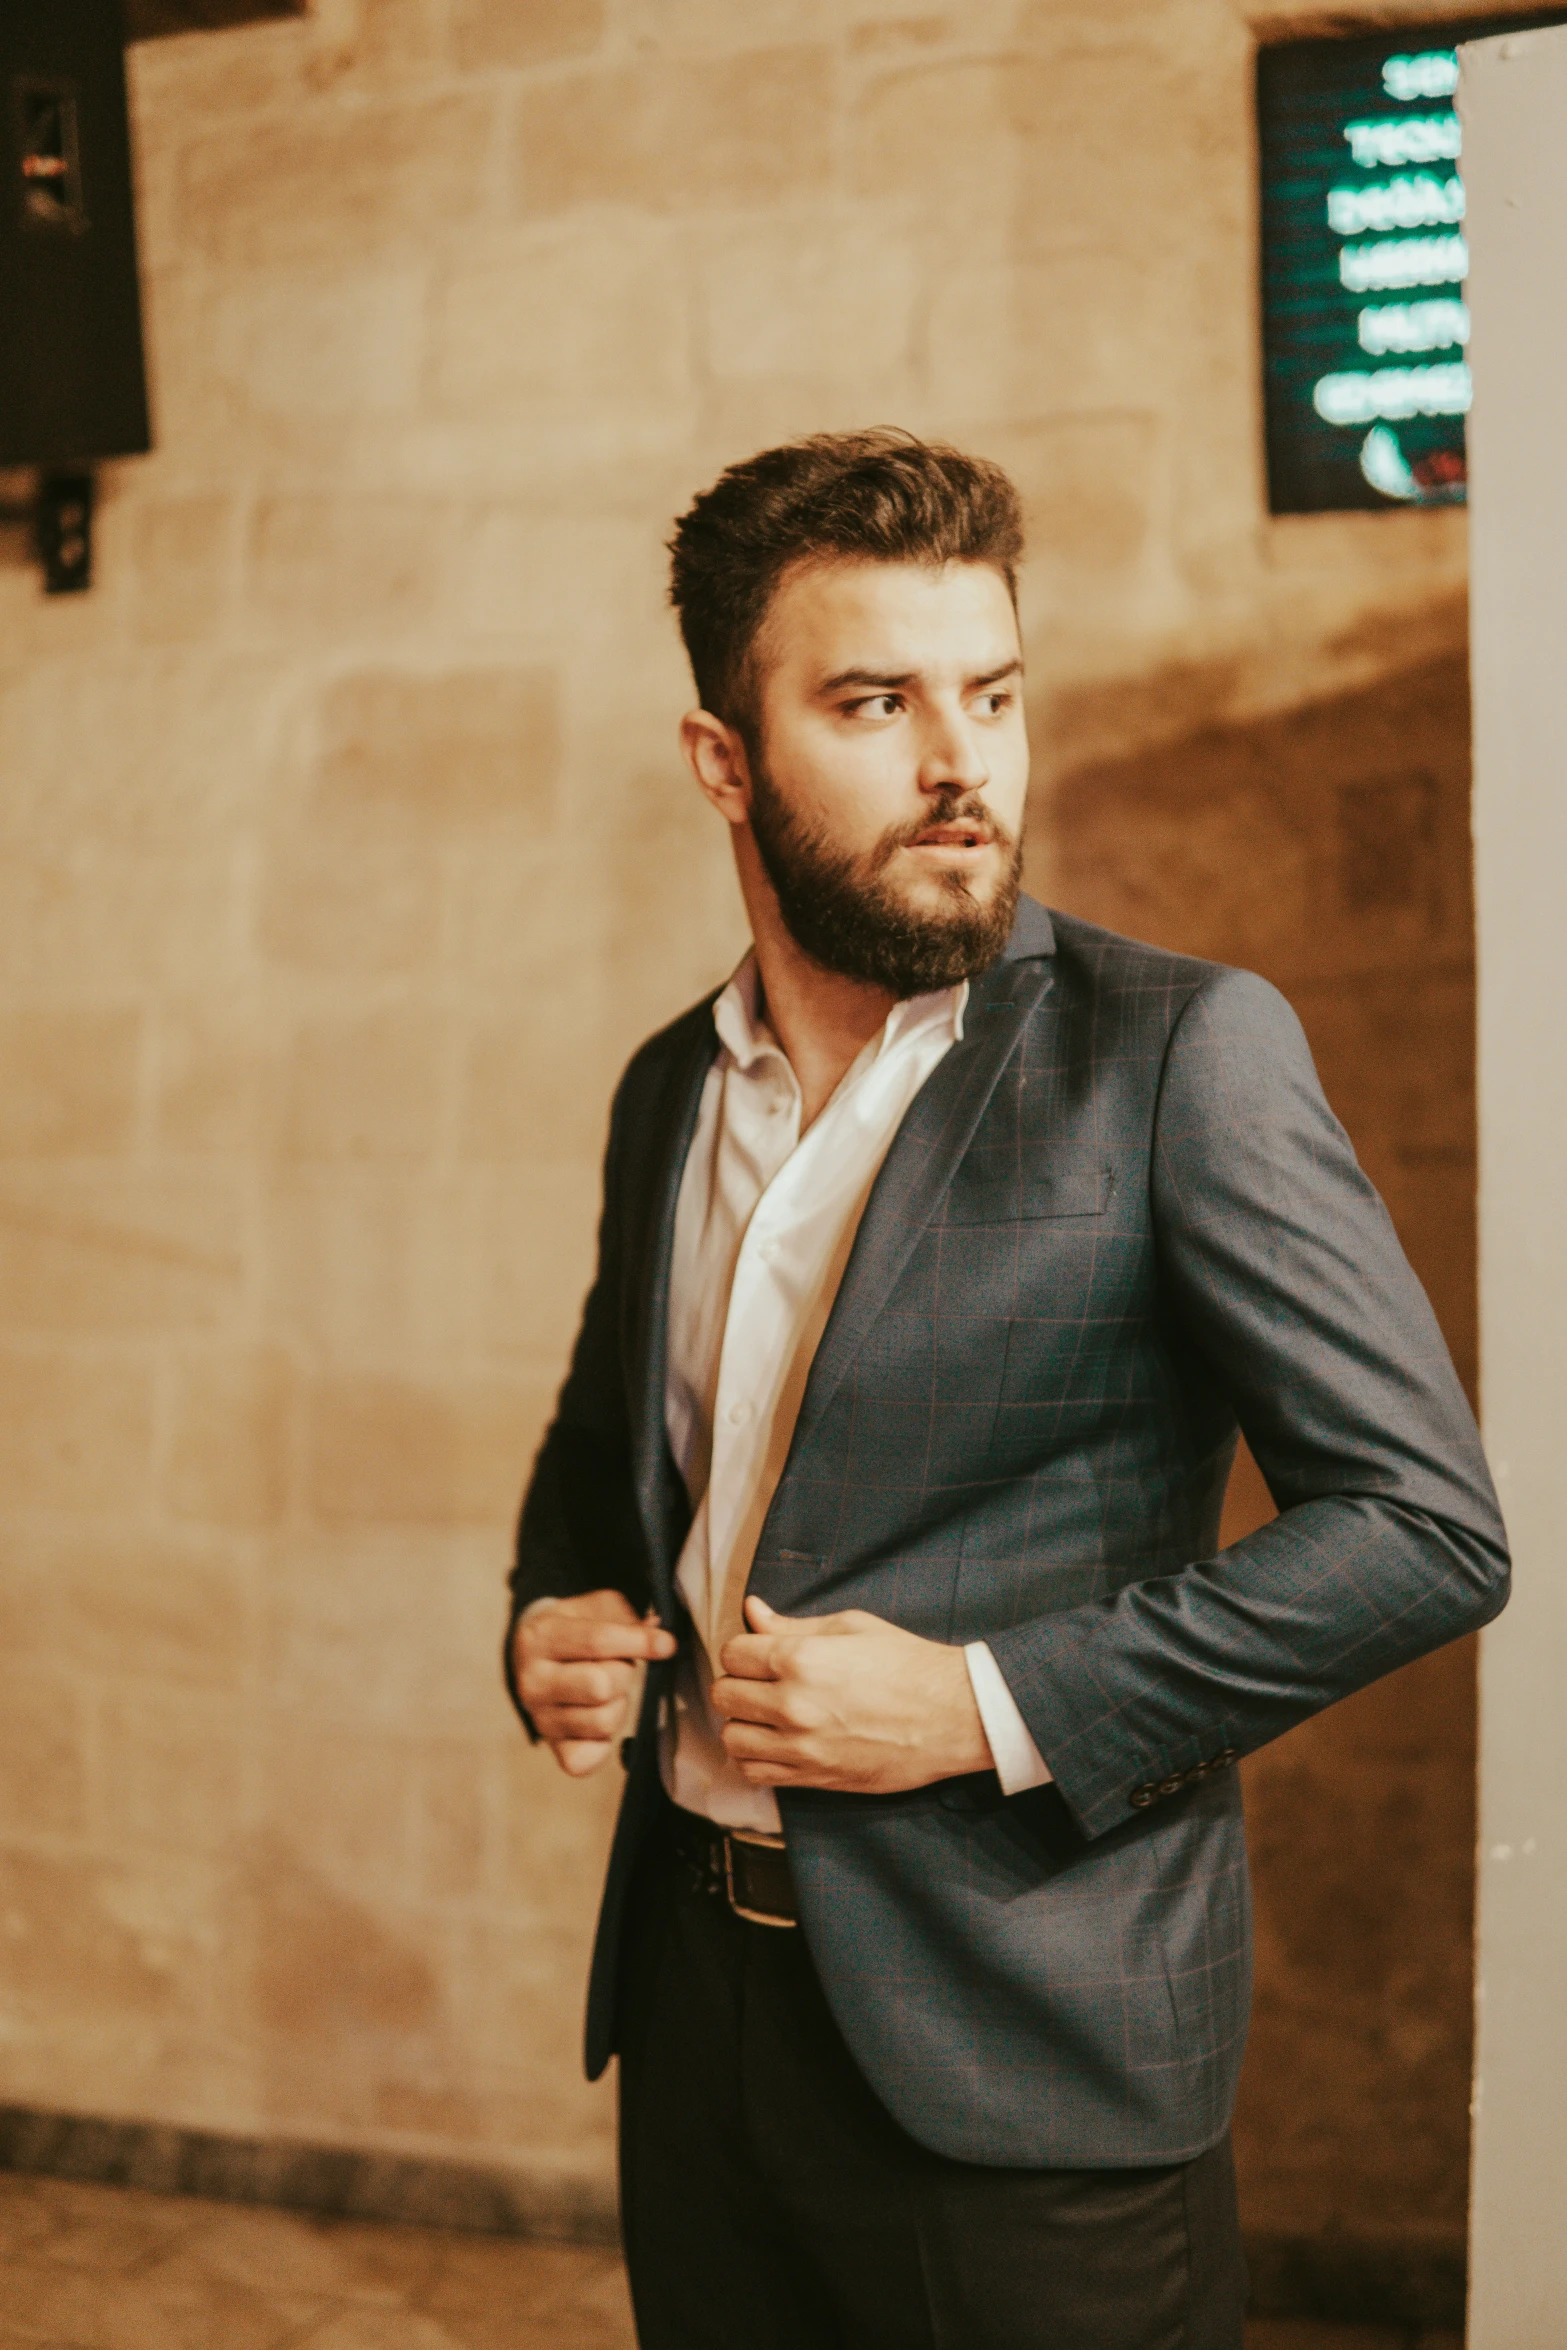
column 866, row 915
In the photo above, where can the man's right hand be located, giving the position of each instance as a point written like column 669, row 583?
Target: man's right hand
column 576, row 1662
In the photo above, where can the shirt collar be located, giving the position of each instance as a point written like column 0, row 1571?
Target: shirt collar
column 743, row 1030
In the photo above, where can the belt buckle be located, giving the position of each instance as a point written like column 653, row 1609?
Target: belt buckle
column 765, row 1843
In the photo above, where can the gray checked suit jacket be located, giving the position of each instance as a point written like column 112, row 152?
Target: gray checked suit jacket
column 1118, row 1222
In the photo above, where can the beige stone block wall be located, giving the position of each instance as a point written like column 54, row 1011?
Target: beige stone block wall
column 346, row 854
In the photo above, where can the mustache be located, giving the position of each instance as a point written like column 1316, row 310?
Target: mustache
column 954, row 806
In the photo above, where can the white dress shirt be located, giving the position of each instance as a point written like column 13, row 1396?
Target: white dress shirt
column 763, row 1228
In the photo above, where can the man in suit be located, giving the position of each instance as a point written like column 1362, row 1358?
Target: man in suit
column 943, row 1254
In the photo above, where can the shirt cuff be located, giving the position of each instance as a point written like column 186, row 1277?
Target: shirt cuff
column 1018, row 1761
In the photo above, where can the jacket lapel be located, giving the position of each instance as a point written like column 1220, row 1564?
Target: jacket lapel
column 661, row 1150
column 938, row 1129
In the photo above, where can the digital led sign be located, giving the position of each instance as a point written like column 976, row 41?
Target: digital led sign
column 1364, row 260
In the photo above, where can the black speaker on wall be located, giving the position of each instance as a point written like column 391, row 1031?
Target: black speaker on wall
column 73, row 382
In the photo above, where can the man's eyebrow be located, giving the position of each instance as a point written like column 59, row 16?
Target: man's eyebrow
column 887, row 680
column 874, row 678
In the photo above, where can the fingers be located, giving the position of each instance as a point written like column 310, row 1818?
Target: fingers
column 544, row 1681
column 580, row 1721
column 557, row 1634
column 772, row 1758
column 738, row 1700
column 568, row 1632
column 576, row 1668
column 754, row 1656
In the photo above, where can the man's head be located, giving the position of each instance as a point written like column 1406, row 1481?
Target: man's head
column 848, row 607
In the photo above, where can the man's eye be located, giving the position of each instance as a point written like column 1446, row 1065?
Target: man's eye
column 992, row 704
column 876, row 706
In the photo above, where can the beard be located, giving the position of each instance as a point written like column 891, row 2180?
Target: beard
column 843, row 910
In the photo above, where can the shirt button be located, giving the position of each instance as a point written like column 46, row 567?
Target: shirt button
column 769, row 1252
column 739, row 1413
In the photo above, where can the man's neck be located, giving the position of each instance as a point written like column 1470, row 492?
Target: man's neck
column 822, row 1020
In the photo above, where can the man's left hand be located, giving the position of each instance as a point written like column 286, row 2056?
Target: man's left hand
column 847, row 1702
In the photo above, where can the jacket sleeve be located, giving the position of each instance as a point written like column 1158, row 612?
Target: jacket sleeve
column 1281, row 1263
column 579, row 1529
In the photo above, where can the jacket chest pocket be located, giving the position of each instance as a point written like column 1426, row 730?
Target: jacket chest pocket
column 986, row 1192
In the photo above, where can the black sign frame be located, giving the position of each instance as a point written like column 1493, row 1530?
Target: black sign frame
column 1351, row 423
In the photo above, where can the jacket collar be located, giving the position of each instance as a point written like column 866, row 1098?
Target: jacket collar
column 925, row 1151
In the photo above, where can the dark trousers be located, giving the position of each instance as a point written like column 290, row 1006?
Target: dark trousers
column 770, row 2202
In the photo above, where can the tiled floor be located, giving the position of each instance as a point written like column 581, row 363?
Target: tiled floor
column 103, row 2268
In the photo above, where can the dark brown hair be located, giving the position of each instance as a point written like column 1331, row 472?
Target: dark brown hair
column 868, row 497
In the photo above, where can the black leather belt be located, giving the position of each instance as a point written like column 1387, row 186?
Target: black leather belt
column 747, row 1869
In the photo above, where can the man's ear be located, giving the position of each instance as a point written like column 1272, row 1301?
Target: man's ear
column 716, row 757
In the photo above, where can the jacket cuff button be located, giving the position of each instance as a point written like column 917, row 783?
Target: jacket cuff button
column 1141, row 1797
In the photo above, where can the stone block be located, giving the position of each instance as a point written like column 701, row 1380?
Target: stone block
column 942, row 137
column 534, row 1089
column 391, row 1451
column 130, row 1606
column 514, row 929
column 137, row 1254
column 184, row 562
column 556, row 1832
column 83, row 911
column 75, row 1434
column 546, row 327
column 496, row 33
column 1069, row 335
column 534, row 1261
column 316, row 344
column 579, row 586
column 1083, row 182
column 365, row 1263
column 455, row 1818
column 215, row 1081
column 743, row 130
column 139, row 754
column 42, row 1783
column 94, row 1945
column 348, row 567
column 325, row 178
column 831, row 298
column 170, row 1771
column 396, row 1625
column 229, row 1442
column 440, row 754
column 398, row 40
column 682, row 26
column 1039, row 146
column 1088, row 485
column 674, row 926
column 515, row 1984
column 183, row 81
column 340, row 897
column 340, row 1801
column 68, row 1081
column 367, row 1088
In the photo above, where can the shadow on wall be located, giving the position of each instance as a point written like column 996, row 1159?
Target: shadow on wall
column 1328, row 847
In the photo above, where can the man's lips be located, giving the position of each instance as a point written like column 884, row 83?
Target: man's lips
column 954, row 836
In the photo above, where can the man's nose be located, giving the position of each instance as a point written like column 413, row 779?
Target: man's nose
column 953, row 755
